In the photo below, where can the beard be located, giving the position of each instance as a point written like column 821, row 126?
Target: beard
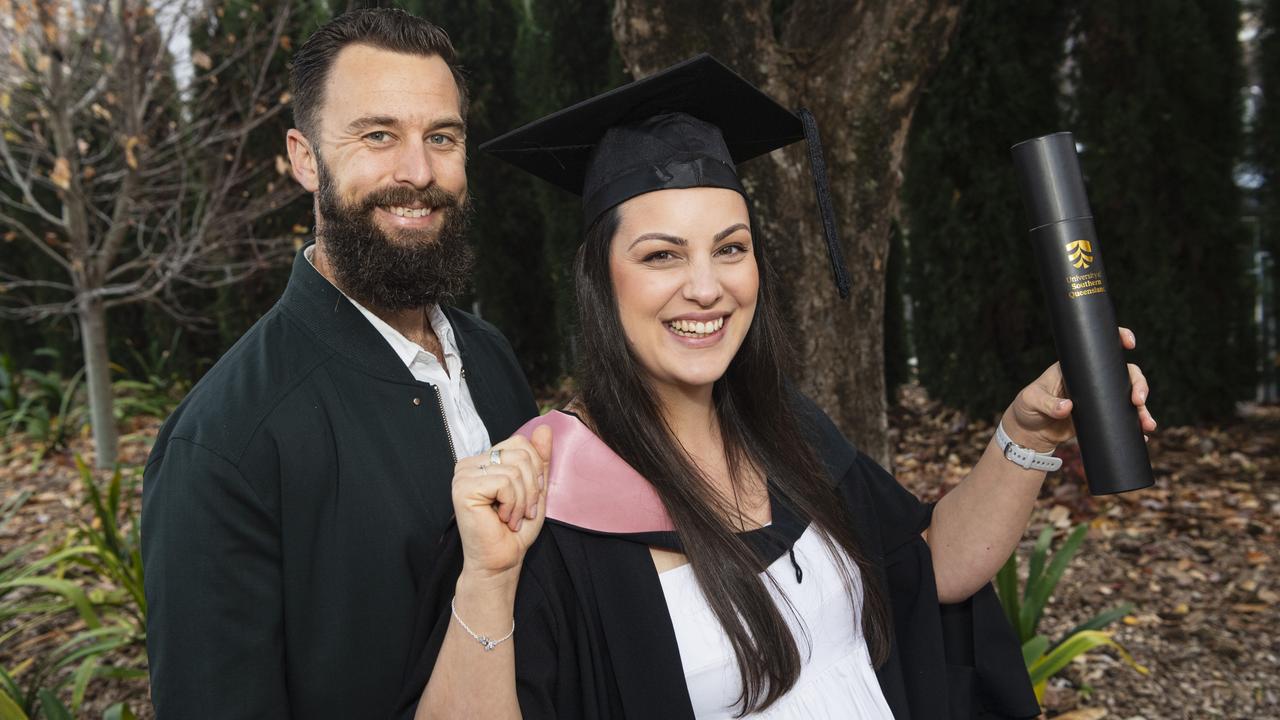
column 406, row 268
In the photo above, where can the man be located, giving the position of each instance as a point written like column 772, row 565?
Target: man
column 293, row 502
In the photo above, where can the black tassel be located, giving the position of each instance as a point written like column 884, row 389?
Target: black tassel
column 796, row 565
column 818, row 167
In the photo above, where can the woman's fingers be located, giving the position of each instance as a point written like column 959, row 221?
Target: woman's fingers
column 1046, row 395
column 478, row 484
column 518, row 453
column 513, row 487
column 1128, row 339
column 1139, row 398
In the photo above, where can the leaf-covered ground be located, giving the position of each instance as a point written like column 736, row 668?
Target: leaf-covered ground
column 1196, row 554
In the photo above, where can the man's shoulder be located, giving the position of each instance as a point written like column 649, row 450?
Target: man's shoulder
column 226, row 408
column 474, row 327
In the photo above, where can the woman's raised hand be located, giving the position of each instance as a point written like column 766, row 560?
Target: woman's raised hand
column 1040, row 417
column 500, row 505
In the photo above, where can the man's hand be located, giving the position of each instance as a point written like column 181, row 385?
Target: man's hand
column 500, row 507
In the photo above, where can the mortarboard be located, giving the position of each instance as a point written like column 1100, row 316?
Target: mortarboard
column 686, row 126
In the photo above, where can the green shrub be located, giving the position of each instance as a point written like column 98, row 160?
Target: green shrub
column 1025, row 609
column 42, row 405
column 96, row 576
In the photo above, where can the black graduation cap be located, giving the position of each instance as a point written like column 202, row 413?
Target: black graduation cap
column 686, row 126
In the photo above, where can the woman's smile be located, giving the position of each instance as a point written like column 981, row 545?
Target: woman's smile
column 693, row 332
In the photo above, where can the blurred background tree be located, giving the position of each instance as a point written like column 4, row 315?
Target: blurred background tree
column 970, row 272
column 128, row 183
column 1157, row 108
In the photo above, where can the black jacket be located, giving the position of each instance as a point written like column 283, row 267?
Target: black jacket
column 594, row 640
column 292, row 506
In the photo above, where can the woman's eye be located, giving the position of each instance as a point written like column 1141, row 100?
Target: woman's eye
column 734, row 249
column 659, row 256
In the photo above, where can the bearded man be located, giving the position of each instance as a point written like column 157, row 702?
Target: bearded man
column 293, row 502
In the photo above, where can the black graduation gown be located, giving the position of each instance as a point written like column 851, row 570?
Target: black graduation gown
column 594, row 640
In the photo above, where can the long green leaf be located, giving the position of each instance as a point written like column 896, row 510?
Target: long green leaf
column 1007, row 589
column 80, row 680
column 1099, row 621
column 66, row 589
column 1035, row 566
column 1058, row 658
column 1038, row 594
column 1034, row 649
column 119, row 711
column 9, row 708
column 53, row 707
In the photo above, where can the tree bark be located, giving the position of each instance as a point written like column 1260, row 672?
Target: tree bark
column 92, row 318
column 859, row 67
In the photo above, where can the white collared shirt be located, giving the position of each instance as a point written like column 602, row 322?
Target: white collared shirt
column 466, row 430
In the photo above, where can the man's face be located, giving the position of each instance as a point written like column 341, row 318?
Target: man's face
column 391, row 159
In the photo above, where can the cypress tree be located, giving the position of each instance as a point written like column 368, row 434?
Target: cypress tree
column 1159, row 115
column 979, row 318
column 1266, row 146
column 547, row 78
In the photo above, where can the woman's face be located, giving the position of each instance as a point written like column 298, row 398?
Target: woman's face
column 684, row 272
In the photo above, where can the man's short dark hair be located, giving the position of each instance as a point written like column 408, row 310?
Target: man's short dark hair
column 384, row 28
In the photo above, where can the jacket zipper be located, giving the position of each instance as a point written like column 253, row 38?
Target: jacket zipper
column 444, row 419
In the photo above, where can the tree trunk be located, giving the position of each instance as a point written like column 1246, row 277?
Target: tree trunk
column 97, row 370
column 859, row 67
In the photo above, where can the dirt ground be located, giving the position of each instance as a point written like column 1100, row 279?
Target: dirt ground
column 1196, row 555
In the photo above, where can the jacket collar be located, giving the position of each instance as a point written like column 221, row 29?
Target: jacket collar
column 325, row 311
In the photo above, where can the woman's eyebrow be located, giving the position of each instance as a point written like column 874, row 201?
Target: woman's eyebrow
column 729, row 231
column 658, row 236
column 676, row 240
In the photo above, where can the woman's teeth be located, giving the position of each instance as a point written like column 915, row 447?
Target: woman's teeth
column 409, row 212
column 688, row 328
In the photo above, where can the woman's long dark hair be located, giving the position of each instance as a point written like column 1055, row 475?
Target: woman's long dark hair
column 759, row 425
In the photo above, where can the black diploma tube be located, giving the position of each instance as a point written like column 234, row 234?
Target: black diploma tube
column 1084, row 320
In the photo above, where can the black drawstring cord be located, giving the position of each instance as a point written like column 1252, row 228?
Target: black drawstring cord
column 796, row 565
column 818, row 167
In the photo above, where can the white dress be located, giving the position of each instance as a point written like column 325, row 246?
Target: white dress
column 836, row 678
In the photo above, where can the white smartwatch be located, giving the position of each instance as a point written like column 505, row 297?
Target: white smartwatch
column 1025, row 458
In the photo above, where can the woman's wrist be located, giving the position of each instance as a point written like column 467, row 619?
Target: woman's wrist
column 1024, row 437
column 489, row 588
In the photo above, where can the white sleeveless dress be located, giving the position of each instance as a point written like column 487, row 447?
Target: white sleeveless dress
column 836, row 678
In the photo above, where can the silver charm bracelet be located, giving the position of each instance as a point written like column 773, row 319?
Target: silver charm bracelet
column 484, row 641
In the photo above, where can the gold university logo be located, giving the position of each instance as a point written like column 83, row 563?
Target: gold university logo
column 1078, row 253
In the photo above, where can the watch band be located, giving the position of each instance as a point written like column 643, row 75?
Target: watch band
column 1025, row 458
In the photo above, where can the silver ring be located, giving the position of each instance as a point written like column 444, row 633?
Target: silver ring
column 495, row 456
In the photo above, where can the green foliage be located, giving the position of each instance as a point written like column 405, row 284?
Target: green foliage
column 1025, row 608
column 95, row 576
column 979, row 318
column 1158, row 111
column 41, row 405
column 161, row 388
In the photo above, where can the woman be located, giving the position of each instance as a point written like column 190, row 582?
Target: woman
column 716, row 547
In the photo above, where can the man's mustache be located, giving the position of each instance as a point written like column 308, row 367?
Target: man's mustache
column 433, row 196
